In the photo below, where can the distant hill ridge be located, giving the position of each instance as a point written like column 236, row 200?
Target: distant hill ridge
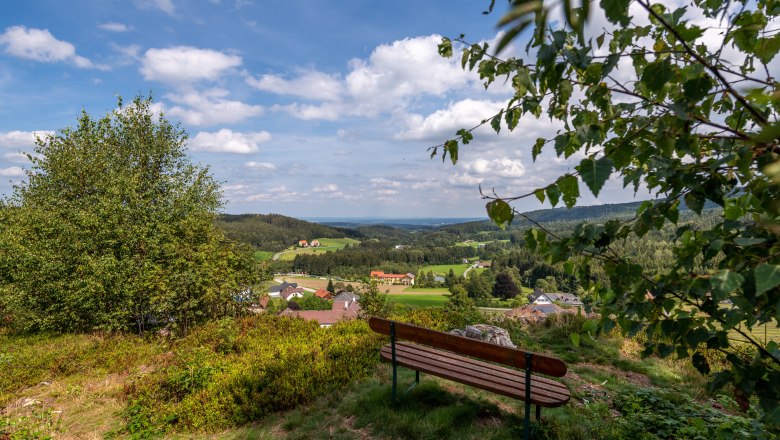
column 276, row 232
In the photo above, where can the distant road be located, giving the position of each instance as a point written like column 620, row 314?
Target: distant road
column 466, row 272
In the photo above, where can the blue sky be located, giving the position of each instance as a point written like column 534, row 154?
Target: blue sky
column 304, row 108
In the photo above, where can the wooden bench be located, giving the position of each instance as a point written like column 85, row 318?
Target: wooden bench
column 474, row 363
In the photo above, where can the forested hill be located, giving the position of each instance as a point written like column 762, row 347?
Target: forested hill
column 275, row 232
column 583, row 213
column 576, row 214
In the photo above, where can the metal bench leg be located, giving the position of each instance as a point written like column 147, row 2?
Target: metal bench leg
column 527, row 422
column 395, row 365
column 415, row 383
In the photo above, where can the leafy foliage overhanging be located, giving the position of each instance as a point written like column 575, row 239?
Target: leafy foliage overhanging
column 690, row 124
column 114, row 230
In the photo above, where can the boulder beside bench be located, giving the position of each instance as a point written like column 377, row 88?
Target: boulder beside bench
column 479, row 364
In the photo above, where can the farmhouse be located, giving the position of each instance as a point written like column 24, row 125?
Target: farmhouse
column 276, row 291
column 392, row 278
column 314, row 243
column 303, row 243
column 345, row 306
column 568, row 299
column 292, row 292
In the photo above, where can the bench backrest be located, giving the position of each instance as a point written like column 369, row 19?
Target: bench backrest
column 470, row 347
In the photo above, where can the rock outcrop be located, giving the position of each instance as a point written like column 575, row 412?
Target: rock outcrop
column 486, row 333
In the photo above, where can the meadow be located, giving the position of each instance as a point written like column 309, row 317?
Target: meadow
column 444, row 269
column 419, row 299
column 326, row 245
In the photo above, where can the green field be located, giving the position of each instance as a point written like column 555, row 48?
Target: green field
column 430, row 290
column 327, row 244
column 475, row 244
column 419, row 300
column 263, row 255
column 444, row 269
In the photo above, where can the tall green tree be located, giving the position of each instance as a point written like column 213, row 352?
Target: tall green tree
column 113, row 229
column 505, row 287
column 330, row 287
column 656, row 101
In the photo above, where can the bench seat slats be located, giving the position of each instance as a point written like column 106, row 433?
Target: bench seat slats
column 507, row 375
column 483, row 375
column 470, row 347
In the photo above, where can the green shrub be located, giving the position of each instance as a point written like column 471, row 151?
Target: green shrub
column 227, row 374
column 647, row 414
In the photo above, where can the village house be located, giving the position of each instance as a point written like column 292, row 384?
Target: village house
column 303, row 243
column 484, row 264
column 392, row 278
column 345, row 306
column 276, row 291
column 566, row 299
column 292, row 292
column 322, row 293
column 314, row 243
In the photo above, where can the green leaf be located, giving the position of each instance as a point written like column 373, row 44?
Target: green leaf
column 537, row 149
column 539, row 193
column 769, row 133
column 465, row 58
column 451, row 147
column 697, row 88
column 569, row 186
column 694, row 201
column 595, row 172
column 616, row 11
column 657, row 74
column 767, row 277
column 575, row 339
column 500, row 212
column 767, row 48
column 724, row 282
column 445, row 47
column 495, row 123
column 700, row 362
column 554, row 194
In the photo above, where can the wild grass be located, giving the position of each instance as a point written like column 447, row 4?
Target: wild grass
column 274, row 378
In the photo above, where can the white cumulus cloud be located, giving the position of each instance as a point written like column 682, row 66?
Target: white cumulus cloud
column 228, row 141
column 40, row 45
column 329, row 188
column 443, row 123
column 184, row 64
column 11, row 172
column 21, row 139
column 260, row 166
column 391, row 78
column 309, row 84
column 503, row 167
column 210, row 107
